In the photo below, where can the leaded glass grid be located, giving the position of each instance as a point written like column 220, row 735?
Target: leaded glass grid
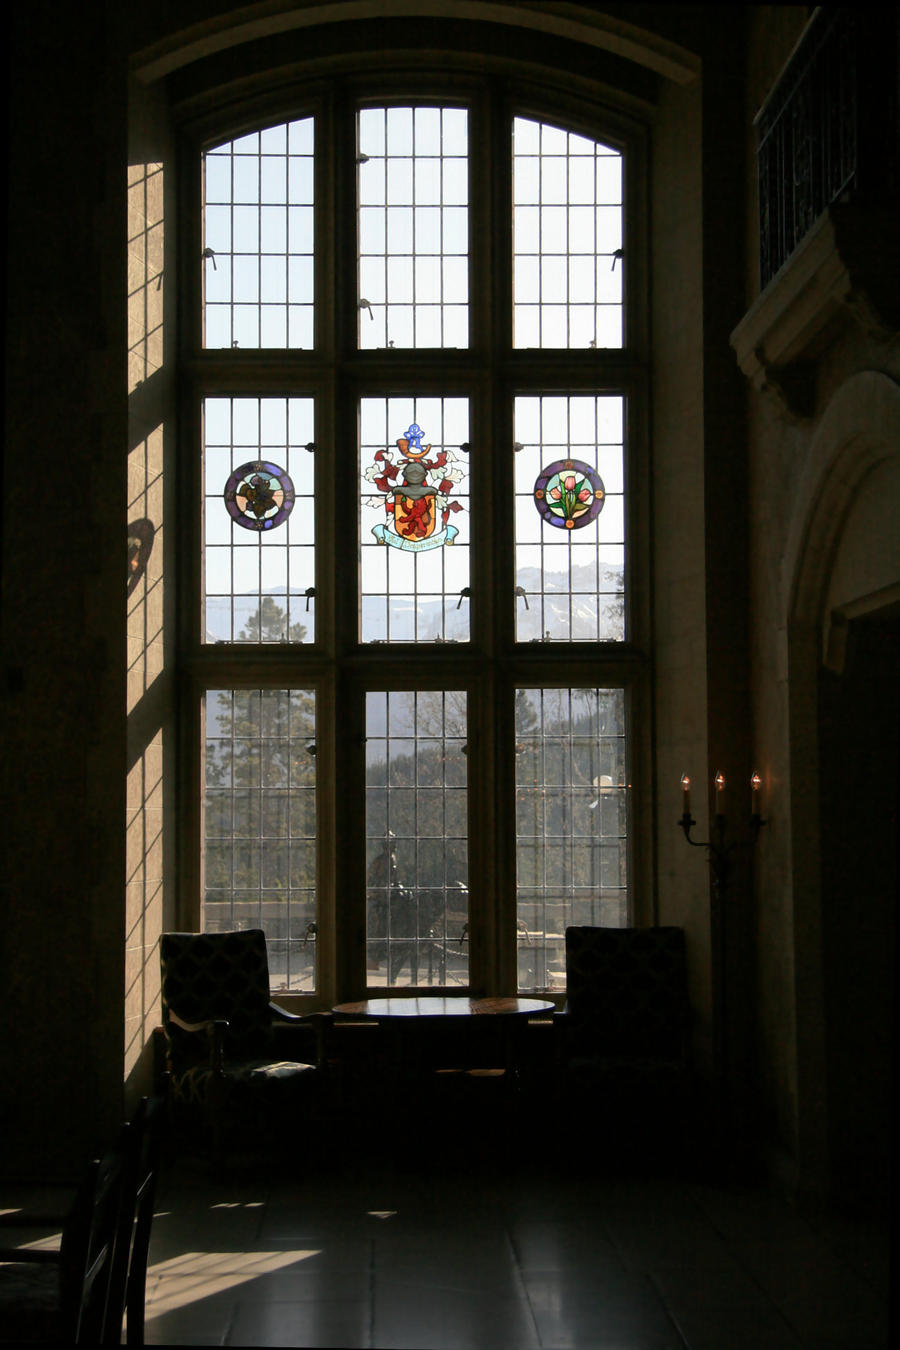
column 259, row 810
column 414, row 590
column 570, row 582
column 262, row 551
column 571, row 823
column 413, row 227
column 258, row 233
column 416, row 839
column 567, row 230
column 259, row 585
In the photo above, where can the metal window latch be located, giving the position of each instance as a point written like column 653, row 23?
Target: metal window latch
column 311, row 932
column 520, row 590
column 517, row 446
column 210, row 253
column 312, row 749
column 465, row 447
column 464, row 934
column 619, row 253
column 464, row 595
column 362, row 158
column 310, row 595
column 310, row 446
column 364, row 304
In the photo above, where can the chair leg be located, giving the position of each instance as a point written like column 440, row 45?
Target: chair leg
column 136, row 1300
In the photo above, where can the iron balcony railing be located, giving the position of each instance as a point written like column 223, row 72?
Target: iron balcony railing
column 827, row 131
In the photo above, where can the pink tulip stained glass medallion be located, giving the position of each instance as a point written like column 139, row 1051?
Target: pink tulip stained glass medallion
column 259, row 496
column 569, row 494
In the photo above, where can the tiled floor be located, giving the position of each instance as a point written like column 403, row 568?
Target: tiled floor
column 450, row 1251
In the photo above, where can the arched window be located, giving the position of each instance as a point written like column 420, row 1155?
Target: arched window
column 412, row 634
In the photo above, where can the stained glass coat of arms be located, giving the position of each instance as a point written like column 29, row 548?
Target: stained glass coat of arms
column 421, row 498
column 414, row 525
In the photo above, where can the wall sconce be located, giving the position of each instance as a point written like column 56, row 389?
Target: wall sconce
column 719, row 849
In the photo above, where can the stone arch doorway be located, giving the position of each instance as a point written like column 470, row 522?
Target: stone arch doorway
column 859, row 739
column 843, row 647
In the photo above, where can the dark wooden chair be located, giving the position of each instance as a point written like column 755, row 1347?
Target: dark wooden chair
column 624, row 1034
column 61, row 1295
column 137, row 1150
column 222, row 1054
column 141, row 1146
column 144, row 1199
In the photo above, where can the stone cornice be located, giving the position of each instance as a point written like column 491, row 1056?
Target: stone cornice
column 846, row 270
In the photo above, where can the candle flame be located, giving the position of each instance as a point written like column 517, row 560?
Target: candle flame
column 685, row 780
column 755, row 783
column 720, row 781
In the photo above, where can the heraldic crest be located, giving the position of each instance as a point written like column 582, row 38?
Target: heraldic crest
column 417, row 489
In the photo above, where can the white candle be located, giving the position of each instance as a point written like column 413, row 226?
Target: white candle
column 755, row 785
column 720, row 793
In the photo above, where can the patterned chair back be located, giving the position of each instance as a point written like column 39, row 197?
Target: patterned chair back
column 216, row 975
column 627, row 991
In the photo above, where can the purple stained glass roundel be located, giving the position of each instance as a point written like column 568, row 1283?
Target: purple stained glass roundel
column 259, row 496
column 569, row 494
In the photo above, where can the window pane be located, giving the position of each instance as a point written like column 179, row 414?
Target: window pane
column 259, row 478
column 416, row 839
column 570, row 520
column 567, row 209
column 414, row 519
column 258, row 239
column 259, row 859
column 413, row 217
column 571, row 819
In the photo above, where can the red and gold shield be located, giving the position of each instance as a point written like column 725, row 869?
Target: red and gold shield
column 414, row 516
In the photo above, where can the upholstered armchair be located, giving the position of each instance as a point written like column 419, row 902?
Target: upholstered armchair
column 222, row 1053
column 625, row 1030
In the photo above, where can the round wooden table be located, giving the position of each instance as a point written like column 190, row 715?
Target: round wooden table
column 434, row 1029
column 374, row 1009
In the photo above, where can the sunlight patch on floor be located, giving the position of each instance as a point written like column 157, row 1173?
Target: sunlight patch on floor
column 192, row 1276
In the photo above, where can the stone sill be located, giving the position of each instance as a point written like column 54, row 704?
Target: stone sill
column 845, row 271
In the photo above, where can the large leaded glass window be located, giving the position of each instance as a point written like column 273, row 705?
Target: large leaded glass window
column 259, row 520
column 571, row 818
column 413, row 629
column 258, row 239
column 570, row 518
column 417, row 871
column 567, row 217
column 413, row 227
column 260, row 824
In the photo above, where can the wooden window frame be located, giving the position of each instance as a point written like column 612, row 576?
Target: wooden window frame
column 490, row 373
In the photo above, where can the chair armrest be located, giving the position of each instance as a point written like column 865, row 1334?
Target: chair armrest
column 214, row 1028
column 197, row 1027
column 315, row 1023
